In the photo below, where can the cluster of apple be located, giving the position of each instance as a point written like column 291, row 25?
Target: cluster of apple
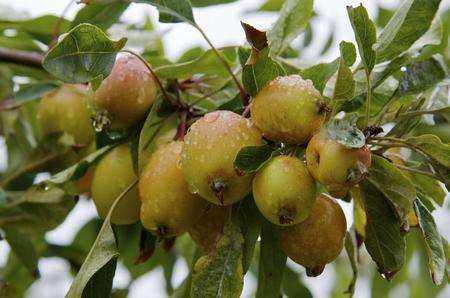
column 188, row 184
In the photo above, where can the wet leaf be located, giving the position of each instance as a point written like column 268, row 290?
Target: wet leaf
column 249, row 222
column 345, row 133
column 256, row 75
column 365, row 35
column 220, row 274
column 319, row 74
column 344, row 88
column 272, row 261
column 250, row 159
column 100, row 260
column 82, row 54
column 384, row 241
column 433, row 242
column 351, row 247
column 393, row 184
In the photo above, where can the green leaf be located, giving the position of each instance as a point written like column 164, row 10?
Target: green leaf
column 393, row 184
column 102, row 253
column 446, row 246
column 383, row 16
column 272, row 5
column 102, row 15
column 344, row 88
column 138, row 251
column 23, row 248
column 205, row 3
column 391, row 68
column 220, row 274
column 433, row 147
column 293, row 286
column 41, row 28
column 191, row 54
column 82, row 54
column 28, row 209
column 249, row 222
column 319, row 74
column 100, row 284
column 345, row 133
column 172, row 11
column 433, row 242
column 256, row 75
column 419, row 76
column 153, row 127
column 428, row 188
column 79, row 169
column 293, row 19
column 348, row 52
column 28, row 93
column 272, row 261
column 365, row 35
column 206, row 64
column 250, row 159
column 351, row 248
column 328, row 43
column 384, row 241
column 411, row 20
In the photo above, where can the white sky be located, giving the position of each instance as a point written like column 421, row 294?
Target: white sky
column 222, row 25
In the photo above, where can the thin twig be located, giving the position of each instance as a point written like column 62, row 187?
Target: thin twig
column 30, row 168
column 384, row 109
column 57, row 27
column 181, row 130
column 246, row 110
column 242, row 92
column 33, row 59
column 157, row 79
column 396, row 142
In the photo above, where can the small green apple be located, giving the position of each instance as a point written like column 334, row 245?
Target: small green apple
column 336, row 166
column 168, row 208
column 284, row 191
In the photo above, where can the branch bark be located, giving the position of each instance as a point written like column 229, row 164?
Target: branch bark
column 33, row 59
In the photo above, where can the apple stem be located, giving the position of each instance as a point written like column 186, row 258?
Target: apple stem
column 157, row 79
column 181, row 130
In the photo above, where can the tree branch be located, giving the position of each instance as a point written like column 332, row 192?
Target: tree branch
column 33, row 59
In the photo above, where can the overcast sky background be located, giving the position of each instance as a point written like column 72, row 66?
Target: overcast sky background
column 222, row 25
